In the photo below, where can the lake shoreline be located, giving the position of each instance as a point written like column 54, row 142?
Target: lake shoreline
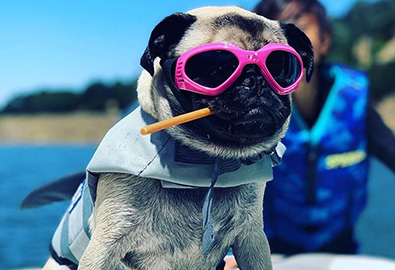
column 75, row 128
column 82, row 128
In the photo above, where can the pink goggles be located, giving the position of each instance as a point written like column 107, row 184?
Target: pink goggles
column 211, row 68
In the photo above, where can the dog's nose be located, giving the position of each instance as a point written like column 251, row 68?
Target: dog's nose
column 249, row 75
column 248, row 82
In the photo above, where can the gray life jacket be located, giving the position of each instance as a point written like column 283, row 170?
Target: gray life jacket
column 158, row 156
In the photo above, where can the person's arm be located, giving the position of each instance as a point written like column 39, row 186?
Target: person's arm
column 231, row 263
column 381, row 140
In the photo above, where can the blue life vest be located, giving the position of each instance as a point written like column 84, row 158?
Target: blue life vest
column 320, row 188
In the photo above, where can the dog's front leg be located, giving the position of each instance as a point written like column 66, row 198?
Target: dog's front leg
column 103, row 253
column 252, row 251
column 251, row 248
column 110, row 225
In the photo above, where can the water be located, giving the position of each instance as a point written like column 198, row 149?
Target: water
column 25, row 235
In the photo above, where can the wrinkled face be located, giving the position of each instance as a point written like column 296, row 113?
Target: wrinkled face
column 249, row 117
column 247, row 113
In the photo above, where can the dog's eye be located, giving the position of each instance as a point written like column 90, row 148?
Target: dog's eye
column 284, row 67
column 212, row 68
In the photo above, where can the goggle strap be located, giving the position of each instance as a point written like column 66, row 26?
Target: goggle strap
column 167, row 67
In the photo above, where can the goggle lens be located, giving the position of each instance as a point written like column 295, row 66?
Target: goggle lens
column 284, row 67
column 211, row 68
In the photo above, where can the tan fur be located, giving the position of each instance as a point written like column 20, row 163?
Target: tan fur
column 202, row 33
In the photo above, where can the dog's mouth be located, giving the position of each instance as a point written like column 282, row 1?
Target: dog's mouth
column 247, row 113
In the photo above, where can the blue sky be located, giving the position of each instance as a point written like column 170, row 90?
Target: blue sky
column 54, row 43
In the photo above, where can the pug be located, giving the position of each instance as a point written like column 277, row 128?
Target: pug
column 243, row 67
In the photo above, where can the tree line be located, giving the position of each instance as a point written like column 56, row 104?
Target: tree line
column 96, row 97
column 365, row 38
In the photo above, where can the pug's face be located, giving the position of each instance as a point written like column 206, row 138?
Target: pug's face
column 249, row 117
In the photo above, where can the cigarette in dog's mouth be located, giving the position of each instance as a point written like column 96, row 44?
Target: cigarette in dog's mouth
column 180, row 119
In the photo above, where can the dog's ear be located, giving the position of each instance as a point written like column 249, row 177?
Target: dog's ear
column 165, row 37
column 302, row 44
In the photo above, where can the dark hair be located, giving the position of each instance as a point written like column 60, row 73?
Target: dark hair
column 274, row 10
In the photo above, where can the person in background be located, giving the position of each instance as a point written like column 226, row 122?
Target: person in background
column 320, row 188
